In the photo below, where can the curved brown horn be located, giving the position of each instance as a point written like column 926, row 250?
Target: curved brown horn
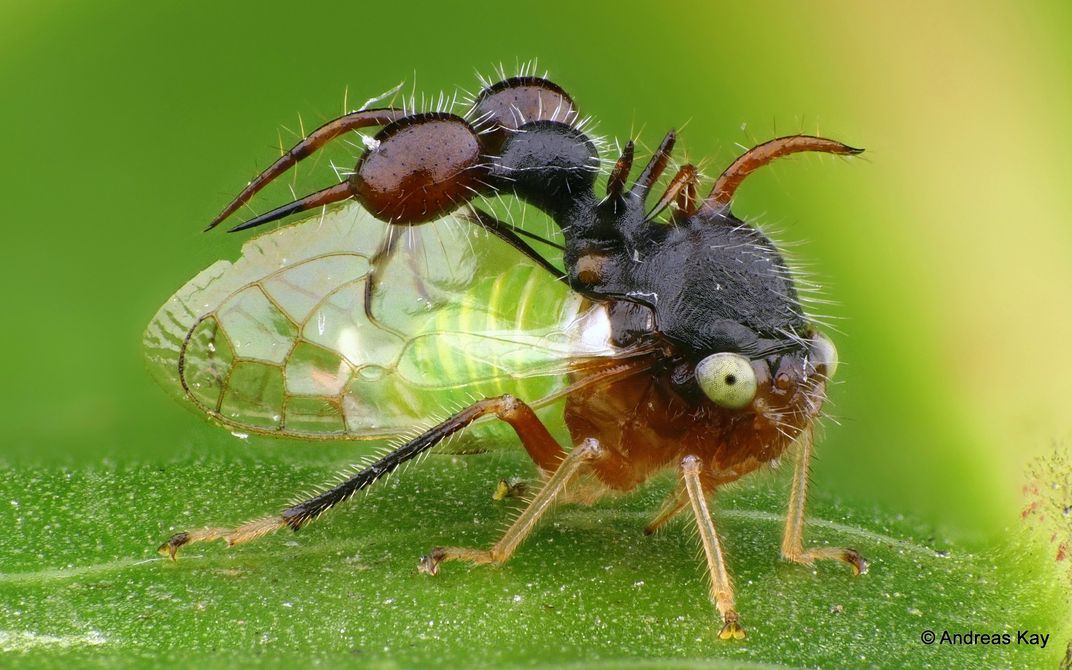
column 760, row 155
column 315, row 140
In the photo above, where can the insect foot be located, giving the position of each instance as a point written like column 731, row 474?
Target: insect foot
column 858, row 563
column 731, row 627
column 429, row 563
column 855, row 561
column 171, row 547
column 232, row 536
column 510, row 488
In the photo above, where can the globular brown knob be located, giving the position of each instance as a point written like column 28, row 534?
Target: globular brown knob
column 507, row 105
column 419, row 168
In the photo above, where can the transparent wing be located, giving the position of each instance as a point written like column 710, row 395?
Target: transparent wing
column 328, row 329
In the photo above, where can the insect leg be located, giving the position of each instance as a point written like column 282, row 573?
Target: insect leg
column 673, row 504
column 793, row 539
column 760, row 155
column 383, row 256
column 506, row 233
column 539, row 443
column 315, row 140
column 721, row 588
column 588, row 452
column 390, row 243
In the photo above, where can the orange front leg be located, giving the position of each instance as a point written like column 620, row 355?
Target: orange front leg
column 721, row 587
column 793, row 539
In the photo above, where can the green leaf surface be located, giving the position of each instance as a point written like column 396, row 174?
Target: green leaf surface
column 81, row 584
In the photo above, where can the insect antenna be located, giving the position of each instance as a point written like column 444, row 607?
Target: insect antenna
column 765, row 153
column 340, row 191
column 538, row 238
column 510, row 236
column 519, row 229
column 616, row 182
column 309, row 145
column 655, row 167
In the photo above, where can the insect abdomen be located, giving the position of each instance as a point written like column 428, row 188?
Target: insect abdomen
column 507, row 336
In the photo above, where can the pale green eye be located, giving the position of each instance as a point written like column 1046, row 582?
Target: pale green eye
column 727, row 379
column 824, row 353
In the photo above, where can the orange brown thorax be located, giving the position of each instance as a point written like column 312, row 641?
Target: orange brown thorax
column 648, row 422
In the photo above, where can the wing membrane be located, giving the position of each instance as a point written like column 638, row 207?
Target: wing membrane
column 282, row 341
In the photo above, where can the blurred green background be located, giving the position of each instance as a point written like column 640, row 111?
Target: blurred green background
column 946, row 247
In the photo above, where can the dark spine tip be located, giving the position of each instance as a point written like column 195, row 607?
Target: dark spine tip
column 331, row 194
column 252, row 223
column 274, row 215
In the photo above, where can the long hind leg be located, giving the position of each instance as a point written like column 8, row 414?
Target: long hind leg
column 538, row 442
column 793, row 539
